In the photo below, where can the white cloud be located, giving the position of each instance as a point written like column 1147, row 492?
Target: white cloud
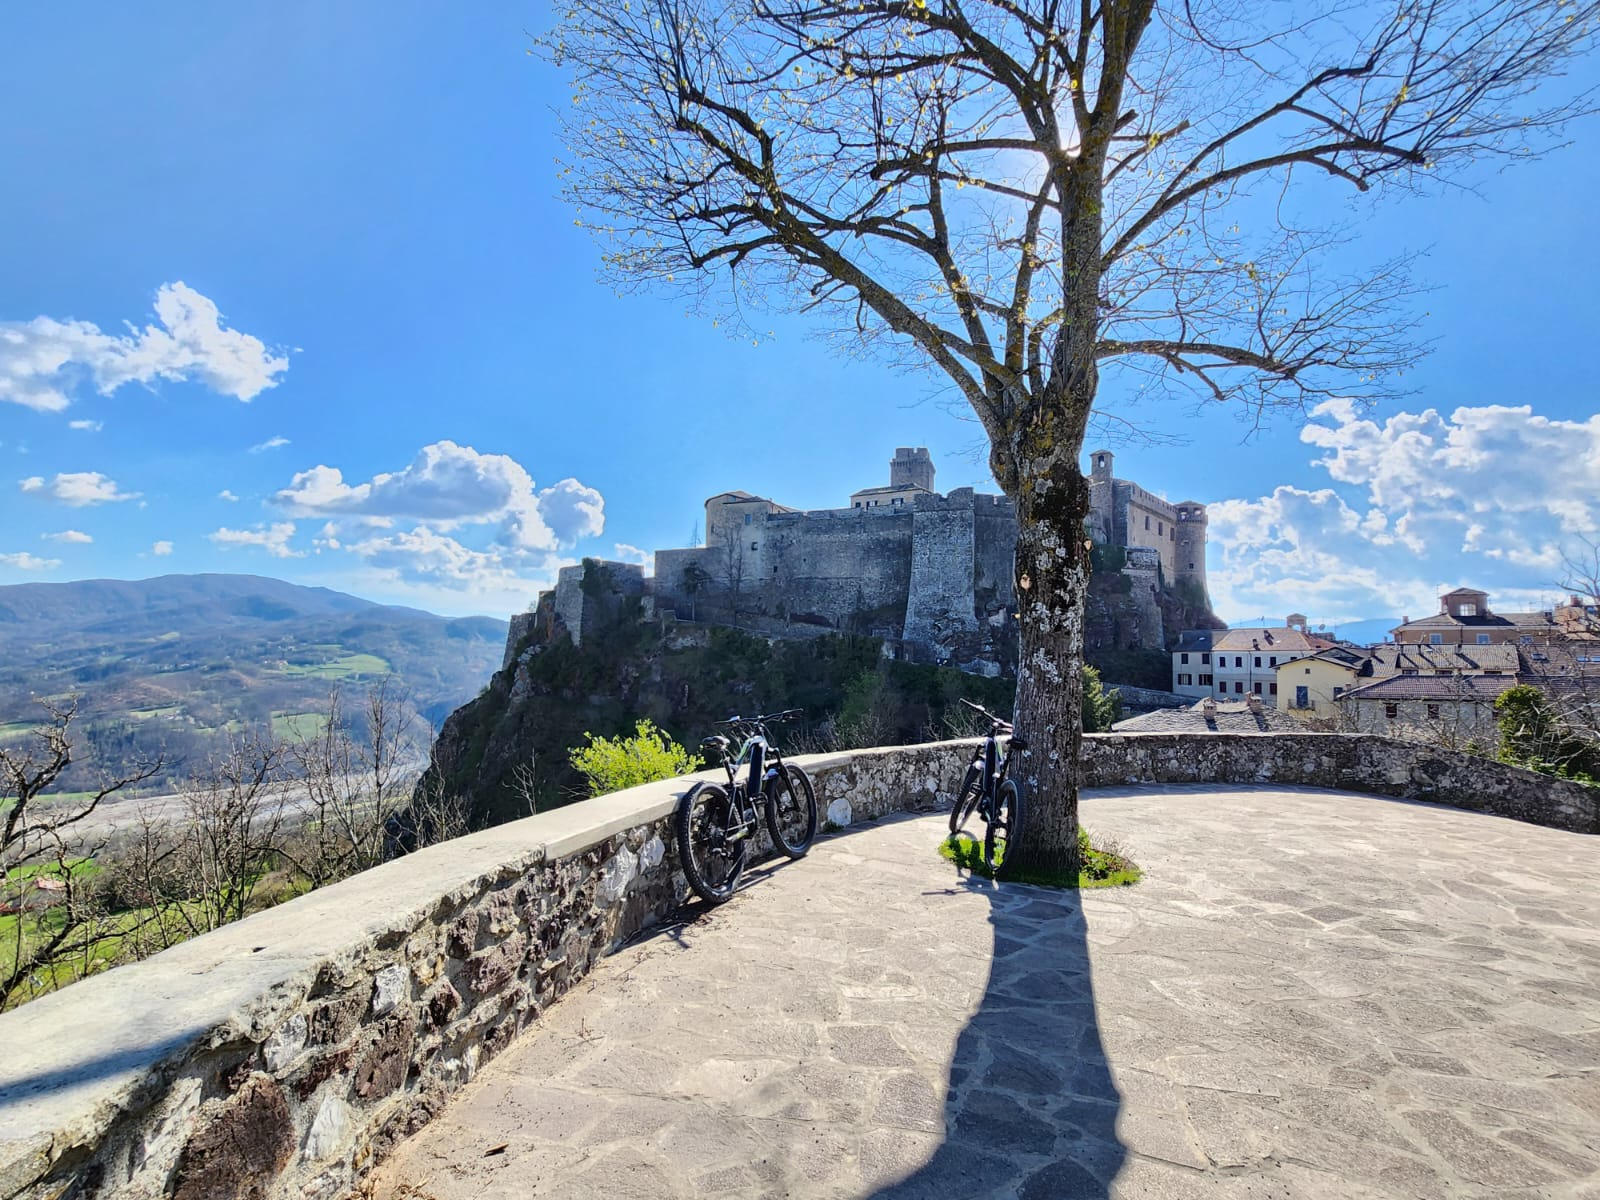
column 41, row 359
column 632, row 554
column 75, row 536
column 161, row 549
column 1488, row 496
column 572, row 511
column 225, row 494
column 87, row 426
column 28, row 562
column 274, row 539
column 272, row 443
column 78, row 489
column 447, row 486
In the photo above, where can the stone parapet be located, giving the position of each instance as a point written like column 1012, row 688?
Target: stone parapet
column 282, row 1056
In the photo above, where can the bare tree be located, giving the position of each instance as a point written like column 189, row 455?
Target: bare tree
column 234, row 817
column 349, row 782
column 44, row 859
column 730, row 564
column 1017, row 194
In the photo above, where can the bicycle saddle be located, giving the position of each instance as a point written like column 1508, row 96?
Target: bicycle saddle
column 715, row 742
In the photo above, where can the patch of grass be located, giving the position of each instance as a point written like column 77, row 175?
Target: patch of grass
column 146, row 714
column 296, row 726
column 344, row 667
column 1101, row 866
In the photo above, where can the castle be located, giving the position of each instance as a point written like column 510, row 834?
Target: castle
column 929, row 574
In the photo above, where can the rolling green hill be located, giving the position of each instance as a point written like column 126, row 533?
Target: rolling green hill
column 178, row 662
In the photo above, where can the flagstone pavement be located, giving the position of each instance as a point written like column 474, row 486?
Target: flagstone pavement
column 1311, row 994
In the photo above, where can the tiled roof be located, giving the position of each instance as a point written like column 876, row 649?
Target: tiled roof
column 1512, row 620
column 1227, row 717
column 1238, row 641
column 1433, row 687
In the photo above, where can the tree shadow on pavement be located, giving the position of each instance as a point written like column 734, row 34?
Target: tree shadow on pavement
column 1030, row 1108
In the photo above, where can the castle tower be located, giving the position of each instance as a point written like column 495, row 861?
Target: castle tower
column 1102, row 515
column 911, row 466
column 1190, row 544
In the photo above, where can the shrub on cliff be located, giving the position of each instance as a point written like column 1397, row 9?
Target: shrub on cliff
column 611, row 764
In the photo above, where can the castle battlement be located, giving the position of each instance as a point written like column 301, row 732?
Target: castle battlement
column 931, row 573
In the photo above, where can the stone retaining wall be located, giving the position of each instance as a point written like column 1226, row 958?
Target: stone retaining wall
column 283, row 1055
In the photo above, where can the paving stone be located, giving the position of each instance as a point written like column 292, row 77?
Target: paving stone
column 1334, row 1023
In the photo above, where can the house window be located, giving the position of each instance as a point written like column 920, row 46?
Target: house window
column 1258, row 660
column 1337, row 692
column 1273, row 661
column 1183, row 657
column 1483, row 639
column 747, row 518
column 1436, row 639
column 1391, row 711
column 1308, row 670
column 1433, row 712
column 857, row 504
column 1272, row 689
column 752, row 545
column 1206, row 679
column 1223, row 686
column 1238, row 688
column 1467, row 610
column 1258, row 689
column 1183, row 680
column 1302, row 697
column 1205, row 660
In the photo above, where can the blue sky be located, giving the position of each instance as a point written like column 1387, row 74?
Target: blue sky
column 347, row 218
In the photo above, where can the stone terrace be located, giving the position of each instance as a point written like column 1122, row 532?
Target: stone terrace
column 1313, row 993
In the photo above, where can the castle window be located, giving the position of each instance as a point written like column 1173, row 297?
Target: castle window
column 1147, row 522
column 1191, row 566
column 1159, row 530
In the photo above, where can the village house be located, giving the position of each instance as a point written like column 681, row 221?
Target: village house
column 1311, row 688
column 1219, row 663
column 1464, row 619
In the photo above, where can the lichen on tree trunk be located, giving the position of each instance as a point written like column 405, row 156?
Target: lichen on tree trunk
column 1052, row 578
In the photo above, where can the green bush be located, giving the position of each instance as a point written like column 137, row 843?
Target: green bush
column 611, row 764
column 1101, row 709
column 1533, row 736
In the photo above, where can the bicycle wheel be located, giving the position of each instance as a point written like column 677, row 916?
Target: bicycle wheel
column 711, row 863
column 791, row 811
column 967, row 797
column 1005, row 824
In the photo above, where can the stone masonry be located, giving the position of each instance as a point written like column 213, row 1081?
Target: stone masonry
column 930, row 574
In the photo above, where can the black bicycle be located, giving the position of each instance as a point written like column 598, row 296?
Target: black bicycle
column 987, row 788
column 715, row 824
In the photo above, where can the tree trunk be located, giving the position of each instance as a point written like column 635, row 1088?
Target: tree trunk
column 1052, row 580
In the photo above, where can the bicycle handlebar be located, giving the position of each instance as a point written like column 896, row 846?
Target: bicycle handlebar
column 999, row 722
column 788, row 714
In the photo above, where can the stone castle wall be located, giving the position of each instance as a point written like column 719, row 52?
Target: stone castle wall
column 284, row 1055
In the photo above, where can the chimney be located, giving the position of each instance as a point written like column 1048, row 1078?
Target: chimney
column 1208, row 706
column 1253, row 702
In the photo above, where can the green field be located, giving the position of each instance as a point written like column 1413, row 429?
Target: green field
column 295, row 726
column 346, row 666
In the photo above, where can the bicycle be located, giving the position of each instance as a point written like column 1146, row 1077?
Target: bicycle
column 988, row 790
column 715, row 823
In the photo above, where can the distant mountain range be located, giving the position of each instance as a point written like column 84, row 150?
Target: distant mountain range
column 180, row 661
column 1365, row 632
